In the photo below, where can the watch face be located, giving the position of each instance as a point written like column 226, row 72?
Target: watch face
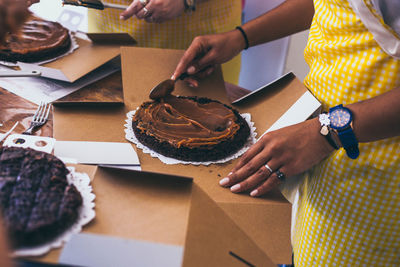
column 340, row 118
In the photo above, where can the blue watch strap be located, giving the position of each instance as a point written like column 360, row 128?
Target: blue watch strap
column 349, row 142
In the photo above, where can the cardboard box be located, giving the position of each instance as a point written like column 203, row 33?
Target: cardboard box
column 94, row 50
column 134, row 206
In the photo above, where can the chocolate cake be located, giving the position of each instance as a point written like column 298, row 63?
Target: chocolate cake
column 36, row 201
column 190, row 128
column 38, row 40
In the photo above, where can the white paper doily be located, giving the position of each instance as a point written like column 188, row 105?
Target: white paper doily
column 86, row 214
column 130, row 136
column 72, row 48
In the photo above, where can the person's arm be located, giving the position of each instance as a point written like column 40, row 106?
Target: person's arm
column 290, row 17
column 297, row 148
column 377, row 118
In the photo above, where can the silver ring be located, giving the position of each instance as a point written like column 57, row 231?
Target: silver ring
column 144, row 2
column 268, row 168
column 145, row 11
column 280, row 175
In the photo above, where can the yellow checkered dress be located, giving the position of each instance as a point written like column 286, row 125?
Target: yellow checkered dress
column 349, row 210
column 212, row 16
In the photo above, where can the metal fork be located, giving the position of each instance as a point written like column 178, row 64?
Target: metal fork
column 39, row 118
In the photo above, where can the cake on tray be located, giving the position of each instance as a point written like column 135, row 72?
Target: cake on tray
column 36, row 201
column 38, row 40
column 190, row 128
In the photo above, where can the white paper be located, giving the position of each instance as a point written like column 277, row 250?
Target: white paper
column 84, row 152
column 115, row 251
column 39, row 89
column 40, row 143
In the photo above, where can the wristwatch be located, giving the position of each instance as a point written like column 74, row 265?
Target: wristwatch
column 327, row 131
column 341, row 120
column 190, row 5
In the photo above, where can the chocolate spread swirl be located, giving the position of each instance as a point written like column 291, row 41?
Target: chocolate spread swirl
column 37, row 34
column 184, row 122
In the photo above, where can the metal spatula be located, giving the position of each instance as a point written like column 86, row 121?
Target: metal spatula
column 19, row 73
column 165, row 88
column 96, row 4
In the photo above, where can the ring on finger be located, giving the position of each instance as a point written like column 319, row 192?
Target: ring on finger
column 280, row 175
column 268, row 168
column 146, row 11
column 144, row 2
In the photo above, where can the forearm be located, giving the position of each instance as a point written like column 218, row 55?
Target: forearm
column 290, row 17
column 377, row 118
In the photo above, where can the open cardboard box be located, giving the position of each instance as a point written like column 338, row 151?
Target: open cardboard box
column 95, row 49
column 217, row 221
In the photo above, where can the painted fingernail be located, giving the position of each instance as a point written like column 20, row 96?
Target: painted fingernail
column 254, row 193
column 191, row 69
column 224, row 181
column 173, row 77
column 235, row 187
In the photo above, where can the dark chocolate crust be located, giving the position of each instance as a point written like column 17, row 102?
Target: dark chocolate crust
column 36, row 201
column 202, row 153
column 37, row 56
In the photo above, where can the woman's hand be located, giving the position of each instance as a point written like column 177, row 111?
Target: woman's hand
column 156, row 11
column 207, row 51
column 291, row 150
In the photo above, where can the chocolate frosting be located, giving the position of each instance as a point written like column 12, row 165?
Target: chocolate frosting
column 36, row 35
column 183, row 121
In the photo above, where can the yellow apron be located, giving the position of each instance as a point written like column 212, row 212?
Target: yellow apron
column 210, row 17
column 349, row 210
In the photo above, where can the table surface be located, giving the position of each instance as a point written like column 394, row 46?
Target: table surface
column 14, row 108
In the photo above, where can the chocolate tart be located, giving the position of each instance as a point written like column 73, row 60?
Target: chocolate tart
column 38, row 40
column 36, row 201
column 194, row 129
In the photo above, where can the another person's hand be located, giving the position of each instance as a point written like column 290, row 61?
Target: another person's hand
column 206, row 51
column 156, row 11
column 13, row 14
column 290, row 150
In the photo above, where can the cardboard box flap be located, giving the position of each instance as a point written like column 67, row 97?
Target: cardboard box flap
column 277, row 82
column 141, row 206
column 144, row 68
column 83, row 60
column 116, row 38
column 268, row 227
column 213, row 239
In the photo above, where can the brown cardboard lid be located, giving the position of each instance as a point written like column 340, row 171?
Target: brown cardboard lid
column 214, row 239
column 89, row 56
